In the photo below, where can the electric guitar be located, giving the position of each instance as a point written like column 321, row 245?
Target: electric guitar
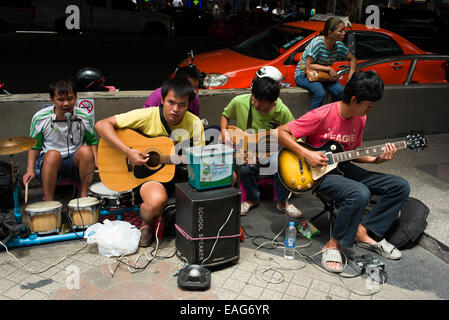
column 298, row 176
column 118, row 174
column 252, row 148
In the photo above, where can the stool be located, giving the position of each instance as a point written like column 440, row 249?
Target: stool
column 329, row 207
column 261, row 182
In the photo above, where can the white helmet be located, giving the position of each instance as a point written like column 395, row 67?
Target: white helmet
column 270, row 72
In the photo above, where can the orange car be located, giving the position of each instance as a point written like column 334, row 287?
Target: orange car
column 394, row 58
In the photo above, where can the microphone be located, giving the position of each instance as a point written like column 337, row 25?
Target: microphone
column 67, row 116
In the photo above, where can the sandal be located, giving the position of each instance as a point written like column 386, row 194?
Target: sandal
column 384, row 248
column 291, row 210
column 245, row 207
column 331, row 255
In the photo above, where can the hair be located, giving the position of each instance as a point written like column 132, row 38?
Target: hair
column 330, row 25
column 364, row 86
column 62, row 87
column 189, row 71
column 180, row 86
column 265, row 89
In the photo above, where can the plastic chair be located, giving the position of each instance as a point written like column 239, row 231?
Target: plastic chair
column 262, row 182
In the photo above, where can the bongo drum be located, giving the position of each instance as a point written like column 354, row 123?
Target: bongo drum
column 83, row 212
column 44, row 217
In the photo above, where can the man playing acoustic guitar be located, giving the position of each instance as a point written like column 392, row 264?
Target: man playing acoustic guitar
column 172, row 115
column 260, row 110
column 344, row 122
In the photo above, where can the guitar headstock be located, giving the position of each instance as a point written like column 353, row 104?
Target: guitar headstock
column 416, row 142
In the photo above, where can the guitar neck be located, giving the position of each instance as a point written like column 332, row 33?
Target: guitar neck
column 369, row 151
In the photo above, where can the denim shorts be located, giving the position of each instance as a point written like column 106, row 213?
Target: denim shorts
column 68, row 169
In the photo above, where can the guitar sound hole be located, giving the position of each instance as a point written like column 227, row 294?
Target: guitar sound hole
column 154, row 159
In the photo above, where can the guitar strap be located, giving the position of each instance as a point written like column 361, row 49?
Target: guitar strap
column 249, row 123
column 164, row 122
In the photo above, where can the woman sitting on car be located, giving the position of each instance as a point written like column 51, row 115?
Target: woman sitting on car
column 319, row 55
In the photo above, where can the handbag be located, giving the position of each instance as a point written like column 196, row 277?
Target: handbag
column 317, row 76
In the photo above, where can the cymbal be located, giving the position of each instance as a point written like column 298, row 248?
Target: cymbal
column 16, row 145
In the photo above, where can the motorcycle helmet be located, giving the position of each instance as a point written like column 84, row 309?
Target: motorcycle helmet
column 271, row 72
column 90, row 79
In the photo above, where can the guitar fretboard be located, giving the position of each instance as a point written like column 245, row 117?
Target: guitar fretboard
column 369, row 151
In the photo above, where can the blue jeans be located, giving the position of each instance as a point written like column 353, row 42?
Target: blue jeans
column 318, row 89
column 248, row 175
column 353, row 191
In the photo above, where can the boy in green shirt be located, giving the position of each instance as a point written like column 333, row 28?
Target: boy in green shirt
column 260, row 110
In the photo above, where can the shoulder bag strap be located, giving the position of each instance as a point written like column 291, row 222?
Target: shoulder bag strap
column 249, row 123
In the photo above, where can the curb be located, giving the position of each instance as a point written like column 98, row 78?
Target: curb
column 435, row 247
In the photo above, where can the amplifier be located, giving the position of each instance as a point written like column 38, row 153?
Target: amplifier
column 199, row 217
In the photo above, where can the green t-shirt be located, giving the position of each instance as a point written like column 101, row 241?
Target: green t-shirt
column 238, row 109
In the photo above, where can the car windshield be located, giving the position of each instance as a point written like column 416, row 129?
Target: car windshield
column 270, row 44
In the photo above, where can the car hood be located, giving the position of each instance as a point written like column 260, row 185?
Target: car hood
column 223, row 61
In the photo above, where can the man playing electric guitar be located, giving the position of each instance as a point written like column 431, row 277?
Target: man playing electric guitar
column 344, row 122
column 260, row 110
column 172, row 115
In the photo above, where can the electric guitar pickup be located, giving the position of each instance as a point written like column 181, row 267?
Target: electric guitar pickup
column 298, row 176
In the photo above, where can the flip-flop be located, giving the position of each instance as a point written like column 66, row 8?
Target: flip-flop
column 384, row 248
column 331, row 255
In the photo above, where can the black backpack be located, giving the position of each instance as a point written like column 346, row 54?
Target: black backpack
column 405, row 231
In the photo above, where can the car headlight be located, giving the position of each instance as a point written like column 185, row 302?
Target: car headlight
column 215, row 80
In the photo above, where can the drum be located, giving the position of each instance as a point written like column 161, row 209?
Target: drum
column 44, row 217
column 110, row 199
column 83, row 212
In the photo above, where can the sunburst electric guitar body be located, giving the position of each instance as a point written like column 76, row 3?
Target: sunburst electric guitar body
column 298, row 176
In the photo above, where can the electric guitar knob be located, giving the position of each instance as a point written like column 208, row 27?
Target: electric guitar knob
column 299, row 187
column 309, row 185
column 303, row 179
column 293, row 181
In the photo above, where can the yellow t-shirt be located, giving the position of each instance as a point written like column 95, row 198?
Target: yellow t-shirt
column 148, row 122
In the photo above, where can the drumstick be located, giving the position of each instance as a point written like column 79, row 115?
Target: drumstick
column 26, row 193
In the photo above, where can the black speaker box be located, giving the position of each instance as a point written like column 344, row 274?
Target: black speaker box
column 199, row 217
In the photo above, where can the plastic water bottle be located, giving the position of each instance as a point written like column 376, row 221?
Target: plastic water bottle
column 290, row 241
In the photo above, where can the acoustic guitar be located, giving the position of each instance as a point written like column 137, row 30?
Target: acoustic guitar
column 298, row 176
column 118, row 174
column 252, row 148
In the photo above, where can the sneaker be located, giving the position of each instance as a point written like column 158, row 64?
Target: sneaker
column 291, row 210
column 146, row 235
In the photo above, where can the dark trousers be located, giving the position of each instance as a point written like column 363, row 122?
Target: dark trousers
column 353, row 191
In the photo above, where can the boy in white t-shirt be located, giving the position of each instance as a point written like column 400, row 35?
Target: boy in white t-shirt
column 64, row 148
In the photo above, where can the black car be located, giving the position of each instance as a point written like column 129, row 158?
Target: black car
column 188, row 21
column 426, row 29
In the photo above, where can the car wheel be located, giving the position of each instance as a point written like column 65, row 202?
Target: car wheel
column 156, row 30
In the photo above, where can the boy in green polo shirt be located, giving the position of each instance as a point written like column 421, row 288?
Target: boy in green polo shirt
column 260, row 110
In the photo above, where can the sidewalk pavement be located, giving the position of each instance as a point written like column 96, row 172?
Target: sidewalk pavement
column 49, row 271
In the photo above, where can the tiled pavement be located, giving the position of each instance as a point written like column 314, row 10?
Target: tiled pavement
column 252, row 278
